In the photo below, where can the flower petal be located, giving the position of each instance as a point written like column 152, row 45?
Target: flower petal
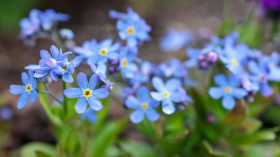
column 95, row 104
column 173, row 84
column 73, row 92
column 45, row 55
column 23, row 100
column 239, row 93
column 157, row 96
column 33, row 95
column 220, row 80
column 67, row 78
column 228, row 102
column 216, row 92
column 266, row 90
column 93, row 81
column 82, row 80
column 132, row 102
column 143, row 94
column 152, row 115
column 158, row 83
column 137, row 116
column 168, row 107
column 81, row 105
column 17, row 89
column 100, row 93
column 25, row 78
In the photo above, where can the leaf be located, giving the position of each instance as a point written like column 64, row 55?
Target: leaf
column 35, row 148
column 213, row 152
column 106, row 137
column 137, row 149
column 147, row 128
column 250, row 125
column 245, row 139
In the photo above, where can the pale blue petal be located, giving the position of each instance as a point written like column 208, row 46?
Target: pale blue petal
column 81, row 105
column 137, row 116
column 45, row 55
column 67, row 78
column 94, row 79
column 239, row 93
column 216, row 92
column 266, row 90
column 100, row 93
column 82, row 80
column 158, row 84
column 157, row 96
column 95, row 104
column 220, row 80
column 228, row 102
column 168, row 107
column 152, row 115
column 17, row 89
column 73, row 92
column 34, row 95
column 23, row 100
column 173, row 84
column 143, row 94
column 132, row 102
column 25, row 78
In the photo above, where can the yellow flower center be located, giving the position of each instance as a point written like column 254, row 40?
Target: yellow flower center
column 165, row 94
column 87, row 93
column 235, row 62
column 103, row 52
column 144, row 106
column 124, row 62
column 130, row 30
column 28, row 88
column 228, row 89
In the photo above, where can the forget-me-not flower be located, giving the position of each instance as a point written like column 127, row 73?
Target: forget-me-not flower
column 89, row 115
column 87, row 93
column 228, row 90
column 30, row 25
column 167, row 93
column 143, row 106
column 100, row 70
column 28, row 90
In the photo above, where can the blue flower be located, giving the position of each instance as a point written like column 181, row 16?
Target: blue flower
column 144, row 74
column 167, row 93
column 174, row 40
column 103, row 51
column 131, row 27
column 30, row 25
column 127, row 67
column 86, row 49
column 261, row 76
column 56, row 64
column 28, row 90
column 192, row 54
column 173, row 68
column 228, row 89
column 100, row 70
column 143, row 106
column 49, row 19
column 66, row 33
column 87, row 93
column 6, row 113
column 89, row 115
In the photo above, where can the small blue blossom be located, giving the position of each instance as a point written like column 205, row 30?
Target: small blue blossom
column 86, row 49
column 66, row 33
column 131, row 27
column 228, row 89
column 89, row 115
column 127, row 67
column 30, row 25
column 174, row 40
column 6, row 113
column 192, row 54
column 173, row 68
column 87, row 93
column 144, row 74
column 167, row 93
column 49, row 19
column 100, row 70
column 28, row 90
column 261, row 76
column 103, row 51
column 143, row 106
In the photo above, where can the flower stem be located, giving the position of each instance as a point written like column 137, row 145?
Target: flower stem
column 65, row 102
column 52, row 95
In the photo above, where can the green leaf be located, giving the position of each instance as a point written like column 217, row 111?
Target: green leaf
column 147, row 128
column 213, row 152
column 47, row 107
column 105, row 138
column 37, row 148
column 245, row 139
column 250, row 125
column 137, row 149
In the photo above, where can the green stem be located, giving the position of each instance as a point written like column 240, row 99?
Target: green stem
column 65, row 102
column 52, row 95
